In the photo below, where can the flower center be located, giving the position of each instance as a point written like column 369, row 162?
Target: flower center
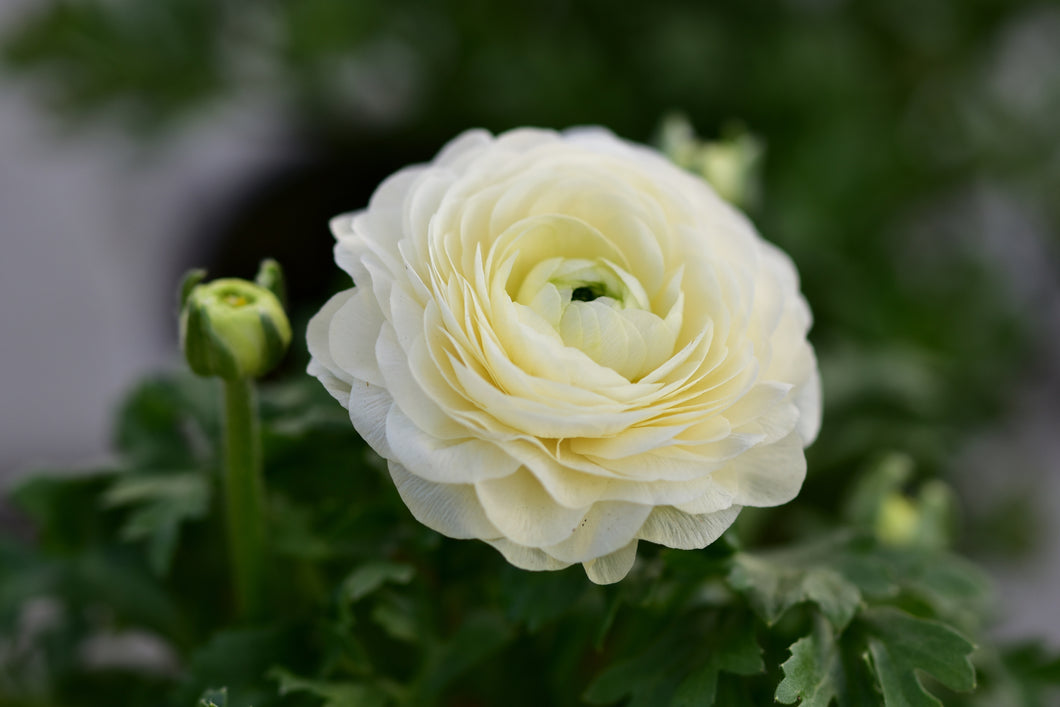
column 586, row 293
column 600, row 309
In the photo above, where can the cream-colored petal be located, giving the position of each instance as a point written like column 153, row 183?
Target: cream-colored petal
column 451, row 509
column 339, row 388
column 613, row 567
column 369, row 407
column 768, row 475
column 607, row 527
column 352, row 336
column 524, row 512
column 807, row 399
column 466, row 145
column 408, row 394
column 462, row 461
column 322, row 364
column 527, row 558
column 713, row 498
column 673, row 528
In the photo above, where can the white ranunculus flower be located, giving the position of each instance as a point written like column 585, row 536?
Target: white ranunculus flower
column 563, row 344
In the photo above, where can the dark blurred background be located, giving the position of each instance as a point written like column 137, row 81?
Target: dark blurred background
column 911, row 169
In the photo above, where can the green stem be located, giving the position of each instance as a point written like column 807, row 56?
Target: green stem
column 244, row 494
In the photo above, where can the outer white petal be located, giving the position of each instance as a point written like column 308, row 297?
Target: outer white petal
column 322, row 364
column 522, row 510
column 670, row 527
column 613, row 567
column 768, row 475
column 369, row 407
column 607, row 527
column 352, row 333
column 527, row 558
column 807, row 397
column 464, row 146
column 451, row 509
column 462, row 461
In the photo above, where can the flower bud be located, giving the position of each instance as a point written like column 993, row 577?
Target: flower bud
column 730, row 164
column 926, row 521
column 233, row 328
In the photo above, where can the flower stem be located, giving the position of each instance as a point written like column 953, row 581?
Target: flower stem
column 244, row 494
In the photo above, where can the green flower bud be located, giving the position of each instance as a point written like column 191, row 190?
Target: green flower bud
column 731, row 164
column 926, row 521
column 233, row 328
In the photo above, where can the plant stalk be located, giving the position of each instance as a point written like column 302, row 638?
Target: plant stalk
column 244, row 496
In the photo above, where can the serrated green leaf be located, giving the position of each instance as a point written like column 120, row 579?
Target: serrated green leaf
column 812, row 673
column 371, row 576
column 161, row 503
column 773, row 584
column 901, row 644
column 956, row 590
column 334, row 694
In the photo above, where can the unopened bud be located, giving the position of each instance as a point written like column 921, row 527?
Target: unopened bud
column 233, row 328
column 730, row 164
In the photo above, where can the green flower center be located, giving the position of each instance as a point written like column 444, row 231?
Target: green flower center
column 601, row 309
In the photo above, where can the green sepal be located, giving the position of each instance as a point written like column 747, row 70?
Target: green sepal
column 270, row 276
column 189, row 282
column 275, row 341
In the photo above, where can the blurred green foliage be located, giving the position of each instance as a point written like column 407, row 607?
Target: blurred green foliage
column 368, row 607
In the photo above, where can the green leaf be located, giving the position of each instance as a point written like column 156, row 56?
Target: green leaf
column 901, row 644
column 812, row 673
column 169, row 422
column 65, row 509
column 239, row 659
column 397, row 616
column 214, row 698
column 736, row 651
column 956, row 590
column 538, row 598
column 370, row 576
column 160, row 503
column 480, row 635
column 334, row 694
column 776, row 582
column 1026, row 674
column 680, row 668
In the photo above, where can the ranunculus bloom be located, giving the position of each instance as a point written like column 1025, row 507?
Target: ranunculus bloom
column 563, row 344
